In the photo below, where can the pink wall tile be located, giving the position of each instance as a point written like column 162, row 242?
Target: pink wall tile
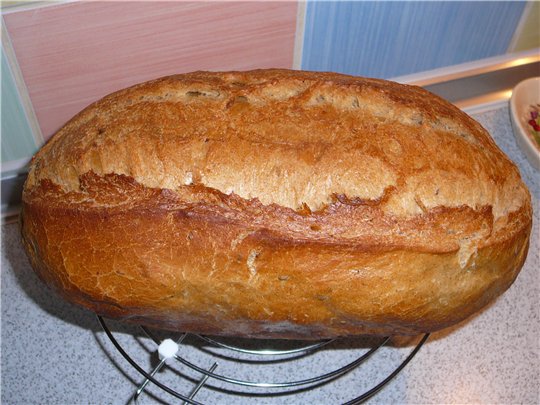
column 73, row 54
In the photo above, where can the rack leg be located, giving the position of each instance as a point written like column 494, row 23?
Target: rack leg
column 201, row 383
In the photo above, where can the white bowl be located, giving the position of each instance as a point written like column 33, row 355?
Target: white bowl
column 524, row 95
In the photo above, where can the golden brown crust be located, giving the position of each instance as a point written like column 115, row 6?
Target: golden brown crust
column 276, row 204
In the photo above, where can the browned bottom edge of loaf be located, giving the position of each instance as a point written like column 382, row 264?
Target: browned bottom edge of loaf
column 184, row 276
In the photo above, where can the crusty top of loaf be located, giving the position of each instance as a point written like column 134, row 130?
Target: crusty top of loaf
column 290, row 140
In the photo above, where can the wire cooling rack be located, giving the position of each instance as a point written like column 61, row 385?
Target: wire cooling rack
column 242, row 370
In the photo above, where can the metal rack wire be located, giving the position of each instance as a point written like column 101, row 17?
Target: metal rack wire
column 244, row 355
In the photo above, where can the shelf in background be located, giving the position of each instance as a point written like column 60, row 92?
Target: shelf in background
column 481, row 85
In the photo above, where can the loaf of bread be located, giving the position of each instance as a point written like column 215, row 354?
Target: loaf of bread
column 276, row 204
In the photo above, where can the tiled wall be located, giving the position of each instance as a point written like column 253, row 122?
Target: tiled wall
column 389, row 39
column 14, row 121
column 59, row 57
column 528, row 31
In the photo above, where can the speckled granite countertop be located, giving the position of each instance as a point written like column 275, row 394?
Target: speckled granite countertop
column 55, row 353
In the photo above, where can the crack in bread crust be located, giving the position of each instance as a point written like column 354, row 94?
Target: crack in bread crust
column 360, row 224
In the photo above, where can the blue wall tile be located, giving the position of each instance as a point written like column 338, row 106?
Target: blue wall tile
column 388, row 39
column 17, row 137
